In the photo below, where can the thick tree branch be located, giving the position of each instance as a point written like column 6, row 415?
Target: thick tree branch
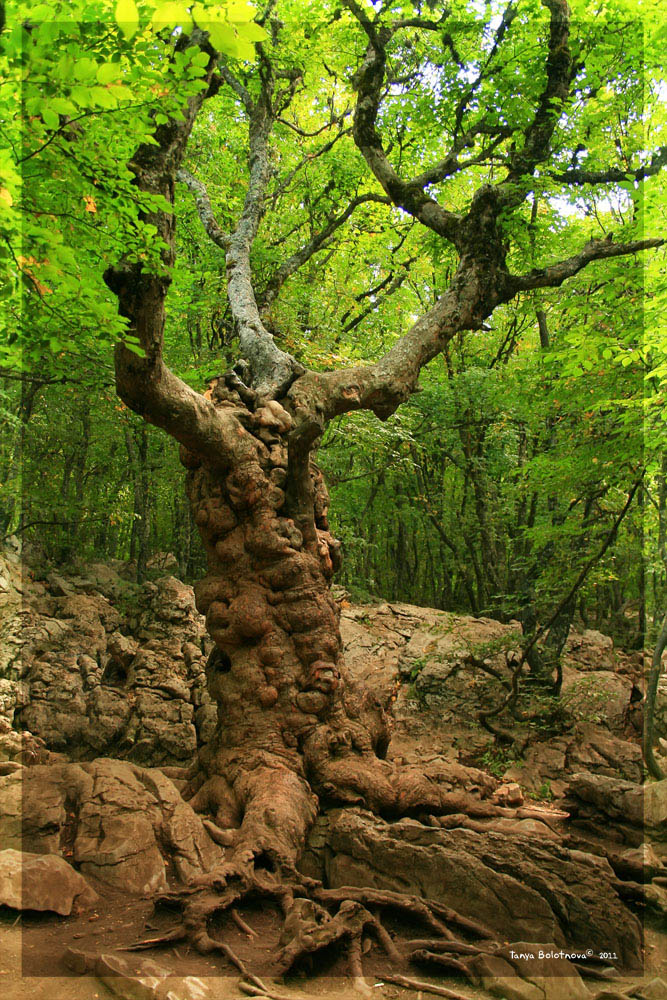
column 382, row 387
column 272, row 370
column 368, row 82
column 555, row 274
column 614, row 174
column 472, row 295
column 538, row 134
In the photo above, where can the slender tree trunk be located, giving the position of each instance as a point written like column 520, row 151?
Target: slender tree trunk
column 11, row 516
column 136, row 442
column 651, row 693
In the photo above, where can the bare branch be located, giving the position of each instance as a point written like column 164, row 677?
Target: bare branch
column 452, row 165
column 614, row 174
column 272, row 370
column 285, row 183
column 509, row 14
column 336, row 120
column 555, row 274
column 206, row 214
column 421, row 22
column 318, row 242
column 390, row 285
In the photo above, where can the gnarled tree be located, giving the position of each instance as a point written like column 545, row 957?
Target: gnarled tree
column 292, row 734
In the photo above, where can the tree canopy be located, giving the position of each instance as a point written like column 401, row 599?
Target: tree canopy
column 389, row 130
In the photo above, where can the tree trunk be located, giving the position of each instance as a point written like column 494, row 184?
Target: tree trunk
column 290, row 723
column 651, row 692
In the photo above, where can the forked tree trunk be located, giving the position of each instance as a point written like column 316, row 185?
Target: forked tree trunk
column 291, row 725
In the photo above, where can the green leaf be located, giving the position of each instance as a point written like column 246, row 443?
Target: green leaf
column 42, row 12
column 223, row 38
column 127, row 17
column 62, row 106
column 50, row 118
column 81, row 95
column 103, row 97
column 245, row 49
column 253, row 32
column 108, row 73
column 239, row 11
column 85, row 69
column 171, row 15
column 135, row 348
column 200, row 58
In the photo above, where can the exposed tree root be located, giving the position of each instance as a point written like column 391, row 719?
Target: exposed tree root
column 242, row 925
column 315, row 919
column 424, row 957
column 415, row 984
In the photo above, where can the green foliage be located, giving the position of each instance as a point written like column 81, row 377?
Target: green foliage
column 544, row 793
column 494, row 485
column 497, row 760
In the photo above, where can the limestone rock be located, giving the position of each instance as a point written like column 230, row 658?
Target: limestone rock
column 508, row 794
column 93, row 664
column 133, row 978
column 521, row 887
column 655, row 808
column 597, row 751
column 529, row 971
column 42, row 882
column 591, row 650
column 597, row 696
column 126, row 826
column 616, row 799
column 138, row 979
column 656, row 989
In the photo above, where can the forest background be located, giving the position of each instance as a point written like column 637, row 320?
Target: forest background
column 527, row 479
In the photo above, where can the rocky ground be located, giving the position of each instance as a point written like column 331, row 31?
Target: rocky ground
column 103, row 701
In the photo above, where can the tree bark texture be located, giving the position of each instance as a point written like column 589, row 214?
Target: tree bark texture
column 288, row 716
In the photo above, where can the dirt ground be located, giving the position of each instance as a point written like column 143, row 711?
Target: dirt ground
column 33, row 949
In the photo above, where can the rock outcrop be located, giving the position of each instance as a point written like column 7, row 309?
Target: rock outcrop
column 94, row 665
column 42, row 883
column 524, row 888
column 122, row 825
